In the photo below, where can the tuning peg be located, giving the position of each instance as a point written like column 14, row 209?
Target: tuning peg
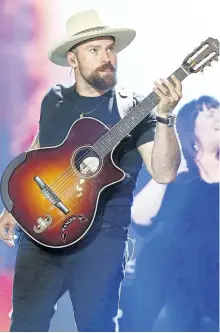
column 216, row 58
column 209, row 64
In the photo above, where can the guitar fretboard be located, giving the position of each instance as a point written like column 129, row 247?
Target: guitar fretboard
column 120, row 130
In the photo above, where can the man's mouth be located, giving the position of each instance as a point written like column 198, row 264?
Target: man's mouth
column 107, row 70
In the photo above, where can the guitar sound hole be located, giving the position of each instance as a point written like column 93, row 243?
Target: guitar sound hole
column 87, row 162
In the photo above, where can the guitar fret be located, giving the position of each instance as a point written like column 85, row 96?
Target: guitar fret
column 120, row 130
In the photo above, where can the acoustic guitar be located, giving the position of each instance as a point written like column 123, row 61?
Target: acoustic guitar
column 53, row 193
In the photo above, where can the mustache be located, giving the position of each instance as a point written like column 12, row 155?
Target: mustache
column 106, row 67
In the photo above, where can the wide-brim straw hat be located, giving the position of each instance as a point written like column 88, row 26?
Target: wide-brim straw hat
column 84, row 26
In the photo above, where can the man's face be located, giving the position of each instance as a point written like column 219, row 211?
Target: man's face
column 97, row 62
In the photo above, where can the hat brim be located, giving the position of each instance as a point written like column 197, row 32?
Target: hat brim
column 58, row 54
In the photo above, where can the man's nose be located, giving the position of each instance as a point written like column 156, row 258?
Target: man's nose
column 105, row 57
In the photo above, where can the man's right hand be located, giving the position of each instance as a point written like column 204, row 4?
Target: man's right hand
column 7, row 225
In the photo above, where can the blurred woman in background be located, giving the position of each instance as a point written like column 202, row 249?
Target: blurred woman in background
column 177, row 272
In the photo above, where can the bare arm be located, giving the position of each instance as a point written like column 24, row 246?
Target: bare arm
column 163, row 156
column 147, row 203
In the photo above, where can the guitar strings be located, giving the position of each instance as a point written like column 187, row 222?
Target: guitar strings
column 69, row 172
column 55, row 186
column 61, row 182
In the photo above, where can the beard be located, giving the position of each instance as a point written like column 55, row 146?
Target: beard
column 101, row 80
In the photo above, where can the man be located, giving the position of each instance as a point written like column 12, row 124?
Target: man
column 93, row 272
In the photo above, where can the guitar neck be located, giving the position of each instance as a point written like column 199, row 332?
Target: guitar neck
column 120, row 130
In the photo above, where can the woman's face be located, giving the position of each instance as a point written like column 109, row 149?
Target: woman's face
column 207, row 128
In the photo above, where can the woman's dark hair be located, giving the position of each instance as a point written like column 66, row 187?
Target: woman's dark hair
column 185, row 125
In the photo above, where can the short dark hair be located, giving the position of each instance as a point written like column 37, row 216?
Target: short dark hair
column 185, row 125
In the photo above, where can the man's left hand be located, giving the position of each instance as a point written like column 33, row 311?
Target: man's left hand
column 170, row 95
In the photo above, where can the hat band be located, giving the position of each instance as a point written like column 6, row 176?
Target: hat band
column 90, row 30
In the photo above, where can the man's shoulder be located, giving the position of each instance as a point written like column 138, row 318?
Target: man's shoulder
column 56, row 98
column 57, row 93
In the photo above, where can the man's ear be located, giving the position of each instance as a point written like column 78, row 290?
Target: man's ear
column 72, row 60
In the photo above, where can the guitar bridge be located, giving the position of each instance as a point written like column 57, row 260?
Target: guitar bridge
column 50, row 195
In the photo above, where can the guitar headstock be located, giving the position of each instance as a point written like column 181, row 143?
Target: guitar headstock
column 202, row 56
